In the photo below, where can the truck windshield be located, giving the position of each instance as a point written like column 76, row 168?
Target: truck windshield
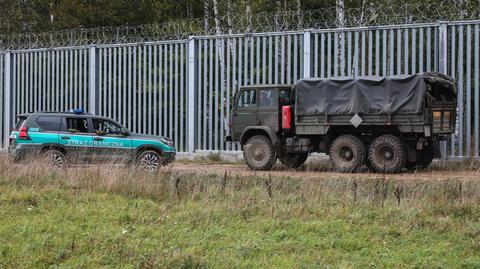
column 247, row 98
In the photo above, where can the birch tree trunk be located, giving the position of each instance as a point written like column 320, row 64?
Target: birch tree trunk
column 206, row 15
column 248, row 12
column 218, row 29
column 340, row 13
column 299, row 14
column 229, row 16
column 278, row 15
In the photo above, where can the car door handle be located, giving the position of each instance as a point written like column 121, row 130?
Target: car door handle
column 65, row 137
column 97, row 138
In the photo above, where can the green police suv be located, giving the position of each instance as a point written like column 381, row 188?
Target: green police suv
column 79, row 138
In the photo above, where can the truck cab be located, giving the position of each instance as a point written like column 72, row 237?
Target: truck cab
column 260, row 116
column 259, row 107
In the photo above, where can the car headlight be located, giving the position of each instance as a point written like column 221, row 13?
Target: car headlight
column 167, row 141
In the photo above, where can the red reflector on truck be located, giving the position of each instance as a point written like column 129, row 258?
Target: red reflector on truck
column 286, row 117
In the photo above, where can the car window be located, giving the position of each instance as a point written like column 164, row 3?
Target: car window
column 75, row 125
column 266, row 98
column 106, row 127
column 247, row 99
column 49, row 123
column 20, row 121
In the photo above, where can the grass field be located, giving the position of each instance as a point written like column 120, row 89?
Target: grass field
column 114, row 217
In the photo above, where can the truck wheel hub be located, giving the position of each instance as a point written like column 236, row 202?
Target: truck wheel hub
column 386, row 153
column 346, row 153
column 259, row 154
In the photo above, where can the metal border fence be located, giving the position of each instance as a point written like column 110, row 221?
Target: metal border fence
column 184, row 88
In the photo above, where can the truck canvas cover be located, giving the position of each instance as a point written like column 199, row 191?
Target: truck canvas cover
column 370, row 95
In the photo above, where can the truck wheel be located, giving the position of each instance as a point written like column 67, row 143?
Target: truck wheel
column 424, row 159
column 54, row 158
column 259, row 153
column 387, row 154
column 294, row 160
column 347, row 153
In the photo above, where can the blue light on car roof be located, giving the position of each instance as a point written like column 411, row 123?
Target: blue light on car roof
column 78, row 111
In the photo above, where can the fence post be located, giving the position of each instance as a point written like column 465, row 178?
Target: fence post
column 307, row 59
column 192, row 95
column 93, row 82
column 7, row 99
column 443, row 61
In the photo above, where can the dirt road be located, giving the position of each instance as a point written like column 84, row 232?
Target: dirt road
column 324, row 172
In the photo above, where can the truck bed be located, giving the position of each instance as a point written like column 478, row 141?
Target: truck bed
column 319, row 124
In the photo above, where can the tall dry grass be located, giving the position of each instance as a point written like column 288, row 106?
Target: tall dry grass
column 244, row 191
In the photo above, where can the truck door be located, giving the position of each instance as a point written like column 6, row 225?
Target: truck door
column 268, row 108
column 245, row 112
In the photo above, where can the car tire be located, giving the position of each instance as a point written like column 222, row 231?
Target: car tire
column 387, row 154
column 149, row 160
column 293, row 160
column 347, row 153
column 55, row 158
column 259, row 153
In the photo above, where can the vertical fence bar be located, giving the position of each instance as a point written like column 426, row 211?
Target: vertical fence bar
column 370, row 53
column 7, row 99
column 468, row 94
column 443, row 69
column 477, row 92
column 192, row 94
column 460, row 90
column 307, row 64
column 93, row 83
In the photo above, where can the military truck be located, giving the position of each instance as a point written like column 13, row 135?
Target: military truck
column 386, row 123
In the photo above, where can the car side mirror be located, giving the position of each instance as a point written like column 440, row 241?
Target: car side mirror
column 124, row 132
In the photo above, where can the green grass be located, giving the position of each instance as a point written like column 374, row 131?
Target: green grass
column 90, row 218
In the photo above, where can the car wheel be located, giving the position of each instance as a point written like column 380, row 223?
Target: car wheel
column 387, row 154
column 347, row 153
column 149, row 160
column 54, row 158
column 259, row 153
column 294, row 160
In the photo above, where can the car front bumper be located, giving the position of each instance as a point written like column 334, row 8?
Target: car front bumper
column 168, row 157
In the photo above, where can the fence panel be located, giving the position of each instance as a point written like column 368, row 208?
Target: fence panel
column 49, row 80
column 226, row 63
column 143, row 86
column 463, row 44
column 375, row 51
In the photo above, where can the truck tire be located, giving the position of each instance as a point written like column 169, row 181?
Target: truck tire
column 424, row 159
column 259, row 153
column 347, row 153
column 294, row 160
column 387, row 154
